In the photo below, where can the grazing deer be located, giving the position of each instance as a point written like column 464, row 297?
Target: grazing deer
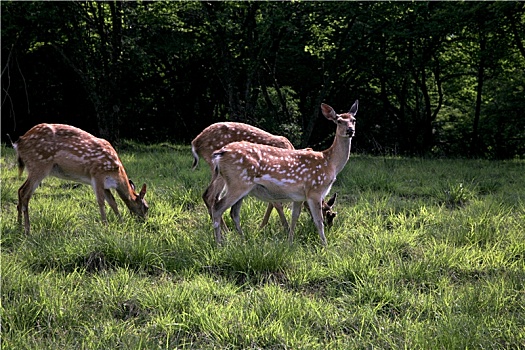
column 275, row 175
column 72, row 154
column 219, row 134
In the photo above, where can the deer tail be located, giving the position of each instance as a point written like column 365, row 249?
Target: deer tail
column 215, row 160
column 195, row 158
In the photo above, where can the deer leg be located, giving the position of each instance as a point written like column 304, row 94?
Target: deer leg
column 317, row 217
column 235, row 214
column 279, row 207
column 231, row 198
column 207, row 199
column 266, row 217
column 112, row 203
column 24, row 195
column 99, row 190
column 211, row 196
column 296, row 211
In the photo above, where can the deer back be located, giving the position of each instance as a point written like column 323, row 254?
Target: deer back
column 289, row 174
column 73, row 153
column 217, row 135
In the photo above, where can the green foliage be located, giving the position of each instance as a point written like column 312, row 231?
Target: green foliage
column 423, row 254
column 457, row 195
column 434, row 78
column 288, row 113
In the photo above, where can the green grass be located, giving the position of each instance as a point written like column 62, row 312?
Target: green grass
column 424, row 254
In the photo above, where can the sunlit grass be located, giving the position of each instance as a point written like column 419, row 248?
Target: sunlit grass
column 422, row 254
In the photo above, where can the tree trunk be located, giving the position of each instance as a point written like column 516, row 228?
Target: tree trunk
column 474, row 146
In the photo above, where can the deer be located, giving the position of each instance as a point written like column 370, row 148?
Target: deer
column 219, row 134
column 70, row 153
column 275, row 174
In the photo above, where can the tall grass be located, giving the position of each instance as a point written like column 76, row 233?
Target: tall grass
column 423, row 254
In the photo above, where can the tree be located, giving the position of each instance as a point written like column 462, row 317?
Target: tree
column 433, row 77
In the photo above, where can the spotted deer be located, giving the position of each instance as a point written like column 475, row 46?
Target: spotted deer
column 70, row 153
column 219, row 134
column 282, row 175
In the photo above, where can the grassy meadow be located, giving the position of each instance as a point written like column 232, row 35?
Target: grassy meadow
column 423, row 254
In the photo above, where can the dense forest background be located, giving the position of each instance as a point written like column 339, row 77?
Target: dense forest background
column 433, row 78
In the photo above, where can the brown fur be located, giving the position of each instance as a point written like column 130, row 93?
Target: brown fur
column 220, row 134
column 70, row 153
column 275, row 175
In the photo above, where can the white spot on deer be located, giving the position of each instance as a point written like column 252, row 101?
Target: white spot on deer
column 277, row 181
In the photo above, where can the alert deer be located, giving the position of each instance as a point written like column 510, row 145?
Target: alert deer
column 219, row 134
column 276, row 175
column 72, row 154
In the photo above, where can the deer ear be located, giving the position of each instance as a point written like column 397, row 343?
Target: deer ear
column 142, row 192
column 331, row 201
column 328, row 112
column 353, row 109
column 132, row 185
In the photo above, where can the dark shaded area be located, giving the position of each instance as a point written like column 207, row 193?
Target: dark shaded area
column 433, row 78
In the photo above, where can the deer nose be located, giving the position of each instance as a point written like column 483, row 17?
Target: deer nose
column 350, row 132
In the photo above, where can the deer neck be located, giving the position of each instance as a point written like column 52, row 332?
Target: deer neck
column 338, row 154
column 126, row 193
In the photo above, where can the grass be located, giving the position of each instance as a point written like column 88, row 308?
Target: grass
column 423, row 254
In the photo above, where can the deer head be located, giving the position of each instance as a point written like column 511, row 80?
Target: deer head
column 328, row 214
column 278, row 175
column 72, row 154
column 326, row 208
